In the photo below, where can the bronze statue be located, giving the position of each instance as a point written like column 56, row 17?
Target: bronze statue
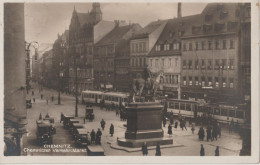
column 146, row 85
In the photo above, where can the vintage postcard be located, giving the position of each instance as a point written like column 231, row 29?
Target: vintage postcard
column 130, row 82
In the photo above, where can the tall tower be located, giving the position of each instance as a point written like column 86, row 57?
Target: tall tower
column 179, row 10
column 96, row 13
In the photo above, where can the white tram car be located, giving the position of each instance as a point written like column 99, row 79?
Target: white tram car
column 191, row 109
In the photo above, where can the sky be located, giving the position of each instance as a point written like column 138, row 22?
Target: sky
column 43, row 21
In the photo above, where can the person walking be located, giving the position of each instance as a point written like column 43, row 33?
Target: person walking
column 111, row 130
column 52, row 98
column 47, row 115
column 184, row 124
column 92, row 136
column 40, row 117
column 32, row 93
column 61, row 117
column 170, row 130
column 202, row 150
column 47, row 101
column 34, row 100
column 164, row 121
column 158, row 150
column 208, row 133
column 201, row 134
column 176, row 125
column 98, row 137
column 102, row 123
column 41, row 96
column 171, row 119
column 144, row 149
column 192, row 128
column 217, row 151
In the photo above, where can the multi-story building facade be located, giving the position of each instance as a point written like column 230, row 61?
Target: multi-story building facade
column 166, row 57
column 105, row 52
column 60, row 62
column 211, row 54
column 85, row 30
column 141, row 44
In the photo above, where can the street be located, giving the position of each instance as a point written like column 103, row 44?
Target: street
column 188, row 143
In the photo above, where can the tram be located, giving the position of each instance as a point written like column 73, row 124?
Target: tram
column 192, row 109
column 96, row 97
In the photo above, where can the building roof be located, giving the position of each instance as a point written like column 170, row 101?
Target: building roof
column 148, row 29
column 84, row 18
column 215, row 18
column 115, row 35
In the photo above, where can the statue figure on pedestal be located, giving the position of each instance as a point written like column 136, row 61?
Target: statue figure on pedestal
column 146, row 85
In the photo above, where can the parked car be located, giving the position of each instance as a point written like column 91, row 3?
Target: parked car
column 51, row 120
column 89, row 113
column 44, row 133
column 82, row 137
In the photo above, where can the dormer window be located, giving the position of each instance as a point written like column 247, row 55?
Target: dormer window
column 166, row 47
column 232, row 25
column 219, row 26
column 208, row 17
column 223, row 14
column 195, row 29
column 171, row 34
column 157, row 48
column 207, row 27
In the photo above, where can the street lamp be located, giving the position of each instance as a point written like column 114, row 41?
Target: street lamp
column 28, row 69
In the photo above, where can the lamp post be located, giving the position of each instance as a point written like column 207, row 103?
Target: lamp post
column 75, row 56
column 28, row 69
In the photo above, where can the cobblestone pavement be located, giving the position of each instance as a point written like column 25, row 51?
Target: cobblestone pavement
column 229, row 144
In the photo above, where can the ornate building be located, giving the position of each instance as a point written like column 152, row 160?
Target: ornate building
column 85, row 30
column 216, row 53
column 107, row 50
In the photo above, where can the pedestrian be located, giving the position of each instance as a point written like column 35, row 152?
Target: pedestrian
column 176, row 125
column 192, row 128
column 40, row 117
column 102, row 123
column 164, row 121
column 202, row 150
column 208, row 133
column 201, row 134
column 117, row 112
column 214, row 134
column 217, row 151
column 219, row 130
column 92, row 136
column 144, row 149
column 32, row 93
column 158, row 150
column 52, row 98
column 47, row 115
column 61, row 117
column 111, row 130
column 184, row 124
column 41, row 96
column 170, row 130
column 34, row 100
column 98, row 137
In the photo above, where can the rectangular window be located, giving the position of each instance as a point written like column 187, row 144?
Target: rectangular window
column 209, row 45
column 203, row 66
column 223, row 112
column 202, row 81
column 184, row 47
column 184, row 64
column 190, row 80
column 176, row 61
column 224, row 63
column 231, row 64
column 231, row 44
column 216, row 64
column 224, row 84
column 231, row 83
column 224, row 44
column 217, row 44
column 196, row 64
column 156, row 63
column 216, row 82
column 209, row 64
column 190, row 64
column 184, row 81
column 203, row 45
column 210, row 81
column 162, row 62
column 170, row 62
column 141, row 62
column 196, row 80
column 196, row 46
column 190, row 46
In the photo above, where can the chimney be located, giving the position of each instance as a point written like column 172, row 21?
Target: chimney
column 179, row 10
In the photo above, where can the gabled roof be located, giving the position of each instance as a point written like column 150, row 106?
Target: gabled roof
column 213, row 16
column 148, row 29
column 115, row 35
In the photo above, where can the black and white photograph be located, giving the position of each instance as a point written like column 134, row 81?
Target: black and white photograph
column 132, row 79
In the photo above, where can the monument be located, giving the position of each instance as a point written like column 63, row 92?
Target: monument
column 144, row 119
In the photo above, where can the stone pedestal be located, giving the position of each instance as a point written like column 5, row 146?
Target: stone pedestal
column 144, row 124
